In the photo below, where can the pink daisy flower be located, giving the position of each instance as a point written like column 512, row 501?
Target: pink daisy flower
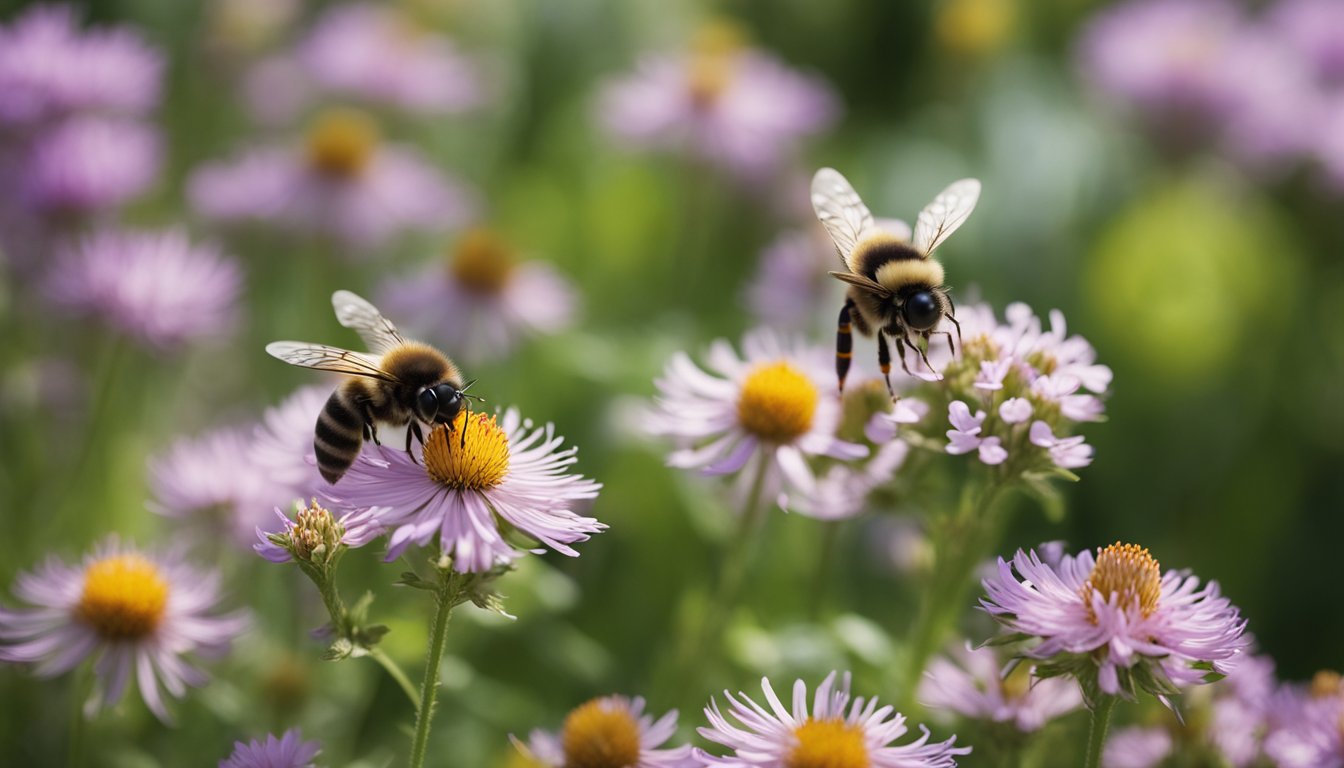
column 733, row 106
column 611, row 730
column 156, row 287
column 457, row 489
column 768, row 403
column 1116, row 622
column 288, row 751
column 826, row 737
column 344, row 183
column 132, row 612
column 969, row 683
column 486, row 300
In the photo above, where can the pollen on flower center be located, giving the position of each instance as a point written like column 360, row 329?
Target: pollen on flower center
column 341, row 143
column 599, row 735
column 482, row 262
column 124, row 597
column 777, row 402
column 1126, row 570
column 477, row 461
column 831, row 743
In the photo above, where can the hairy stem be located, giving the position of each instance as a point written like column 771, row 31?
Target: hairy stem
column 1096, row 736
column 429, row 686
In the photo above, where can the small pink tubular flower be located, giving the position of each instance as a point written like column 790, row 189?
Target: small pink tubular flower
column 767, row 403
column 969, row 683
column 288, row 751
column 1111, row 615
column 836, row 727
column 456, row 492
column 965, row 435
column 609, row 730
column 1068, row 452
column 132, row 612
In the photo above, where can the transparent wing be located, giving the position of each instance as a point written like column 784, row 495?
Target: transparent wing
column 325, row 358
column 357, row 314
column 841, row 211
column 948, row 211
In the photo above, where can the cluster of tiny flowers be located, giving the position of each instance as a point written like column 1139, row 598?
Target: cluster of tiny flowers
column 72, row 107
column 1263, row 88
column 368, row 53
column 482, row 300
column 730, row 105
column 1014, row 392
column 288, row 751
column 314, row 537
column 133, row 613
column 1116, row 622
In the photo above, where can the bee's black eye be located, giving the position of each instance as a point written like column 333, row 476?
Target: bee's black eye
column 427, row 404
column 450, row 402
column 921, row 311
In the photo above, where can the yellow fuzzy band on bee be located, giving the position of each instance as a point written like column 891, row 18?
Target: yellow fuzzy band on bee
column 895, row 275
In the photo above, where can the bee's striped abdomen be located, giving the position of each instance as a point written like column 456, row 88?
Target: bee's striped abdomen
column 340, row 430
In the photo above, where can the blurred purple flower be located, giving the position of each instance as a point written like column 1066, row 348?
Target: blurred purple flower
column 288, row 751
column 1137, row 747
column 49, row 68
column 214, row 484
column 283, row 444
column 133, row 612
column 969, row 683
column 1115, row 612
column 1314, row 29
column 156, row 287
column 86, row 165
column 732, row 106
column 343, row 183
column 485, row 301
column 611, row 730
column 1305, row 723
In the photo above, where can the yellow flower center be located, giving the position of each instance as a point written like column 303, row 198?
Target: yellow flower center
column 600, row 735
column 974, row 27
column 476, row 461
column 713, row 57
column 828, row 744
column 124, row 597
column 1129, row 571
column 777, row 402
column 483, row 262
column 1326, row 683
column 341, row 142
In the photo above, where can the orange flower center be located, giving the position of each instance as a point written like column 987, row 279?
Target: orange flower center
column 777, row 402
column 124, row 597
column 483, row 262
column 1126, row 570
column 477, row 461
column 829, row 743
column 599, row 734
column 341, row 142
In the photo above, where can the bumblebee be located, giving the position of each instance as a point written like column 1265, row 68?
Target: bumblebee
column 402, row 383
column 895, row 286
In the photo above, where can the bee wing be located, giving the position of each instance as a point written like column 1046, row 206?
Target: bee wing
column 945, row 214
column 357, row 314
column 841, row 211
column 325, row 358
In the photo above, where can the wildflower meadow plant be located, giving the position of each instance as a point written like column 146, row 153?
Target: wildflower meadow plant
column 288, row 751
column 610, row 730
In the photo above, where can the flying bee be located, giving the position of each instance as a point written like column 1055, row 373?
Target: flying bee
column 403, row 383
column 895, row 287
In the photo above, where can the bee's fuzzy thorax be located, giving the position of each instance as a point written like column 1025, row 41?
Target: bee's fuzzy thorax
column 421, row 364
column 896, row 275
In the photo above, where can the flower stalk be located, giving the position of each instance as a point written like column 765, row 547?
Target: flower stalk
column 1096, row 736
column 445, row 598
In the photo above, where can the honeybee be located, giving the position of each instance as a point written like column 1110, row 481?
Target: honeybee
column 895, row 287
column 402, row 383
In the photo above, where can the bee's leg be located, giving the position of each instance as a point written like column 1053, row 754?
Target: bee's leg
column 900, row 352
column 413, row 430
column 922, row 355
column 462, row 442
column 950, row 344
column 844, row 343
column 949, row 316
column 884, row 360
column 370, row 424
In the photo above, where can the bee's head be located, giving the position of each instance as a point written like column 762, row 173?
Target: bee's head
column 921, row 310
column 438, row 404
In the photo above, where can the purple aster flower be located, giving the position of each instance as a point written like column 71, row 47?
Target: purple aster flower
column 767, row 403
column 288, row 751
column 213, row 483
column 611, row 730
column 458, row 488
column 486, row 300
column 156, row 287
column 731, row 106
column 283, row 444
column 1117, row 619
column 825, row 737
column 132, row 612
column 1312, row 27
column 50, row 68
column 969, row 683
column 1305, row 730
column 86, row 165
column 1137, row 747
column 376, row 54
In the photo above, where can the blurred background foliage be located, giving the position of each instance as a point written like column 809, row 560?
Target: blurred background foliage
column 1216, row 296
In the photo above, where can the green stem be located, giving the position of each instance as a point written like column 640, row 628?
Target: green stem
column 830, row 536
column 340, row 621
column 1096, row 736
column 396, row 673
column 80, row 689
column 429, row 686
